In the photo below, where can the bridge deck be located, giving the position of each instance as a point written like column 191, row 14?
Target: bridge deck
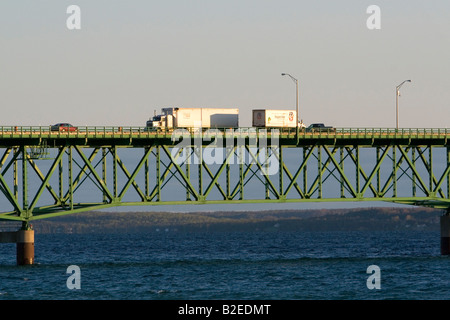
column 13, row 135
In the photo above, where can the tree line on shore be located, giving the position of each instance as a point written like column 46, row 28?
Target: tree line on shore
column 358, row 219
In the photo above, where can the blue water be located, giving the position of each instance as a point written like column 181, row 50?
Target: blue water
column 282, row 265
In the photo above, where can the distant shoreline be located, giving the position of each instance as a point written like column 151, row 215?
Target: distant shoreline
column 358, row 219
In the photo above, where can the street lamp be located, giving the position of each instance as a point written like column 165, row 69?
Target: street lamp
column 296, row 111
column 397, row 89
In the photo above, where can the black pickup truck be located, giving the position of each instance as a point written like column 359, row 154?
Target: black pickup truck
column 320, row 127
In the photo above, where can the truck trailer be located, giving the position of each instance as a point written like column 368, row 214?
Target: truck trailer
column 174, row 118
column 275, row 118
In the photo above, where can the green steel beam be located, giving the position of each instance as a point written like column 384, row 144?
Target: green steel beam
column 448, row 177
column 104, row 171
column 94, row 172
column 133, row 175
column 425, row 202
column 429, row 164
column 393, row 176
column 415, row 172
column 158, row 172
column 263, row 171
column 44, row 183
column 115, row 160
column 375, row 170
column 71, row 185
column 343, row 175
column 61, row 181
column 297, row 173
column 74, row 183
column 239, row 187
column 196, row 194
column 333, row 160
column 9, row 195
column 24, row 212
column 216, row 176
column 42, row 178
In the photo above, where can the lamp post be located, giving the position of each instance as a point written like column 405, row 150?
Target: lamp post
column 296, row 111
column 397, row 90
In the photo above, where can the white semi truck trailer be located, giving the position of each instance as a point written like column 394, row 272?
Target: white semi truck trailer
column 275, row 119
column 173, row 118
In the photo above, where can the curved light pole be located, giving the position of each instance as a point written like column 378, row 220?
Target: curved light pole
column 397, row 90
column 296, row 111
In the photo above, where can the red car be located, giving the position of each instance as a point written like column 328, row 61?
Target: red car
column 63, row 127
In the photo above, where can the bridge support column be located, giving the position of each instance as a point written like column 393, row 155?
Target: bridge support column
column 25, row 247
column 24, row 240
column 445, row 234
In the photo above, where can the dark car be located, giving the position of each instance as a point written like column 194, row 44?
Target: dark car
column 319, row 127
column 63, row 127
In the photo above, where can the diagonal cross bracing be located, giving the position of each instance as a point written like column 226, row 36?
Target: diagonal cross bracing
column 379, row 167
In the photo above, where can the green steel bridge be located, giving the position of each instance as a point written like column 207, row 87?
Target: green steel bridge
column 46, row 173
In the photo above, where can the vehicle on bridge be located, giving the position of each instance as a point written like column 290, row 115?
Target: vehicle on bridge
column 320, row 127
column 266, row 118
column 220, row 118
column 63, row 127
column 174, row 118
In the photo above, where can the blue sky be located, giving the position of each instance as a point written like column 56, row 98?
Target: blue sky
column 133, row 57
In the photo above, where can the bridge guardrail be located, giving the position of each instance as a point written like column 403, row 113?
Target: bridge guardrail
column 132, row 131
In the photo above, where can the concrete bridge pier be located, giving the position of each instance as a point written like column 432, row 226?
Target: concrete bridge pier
column 445, row 233
column 25, row 247
column 24, row 240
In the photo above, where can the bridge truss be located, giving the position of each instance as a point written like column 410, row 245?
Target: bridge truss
column 45, row 174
